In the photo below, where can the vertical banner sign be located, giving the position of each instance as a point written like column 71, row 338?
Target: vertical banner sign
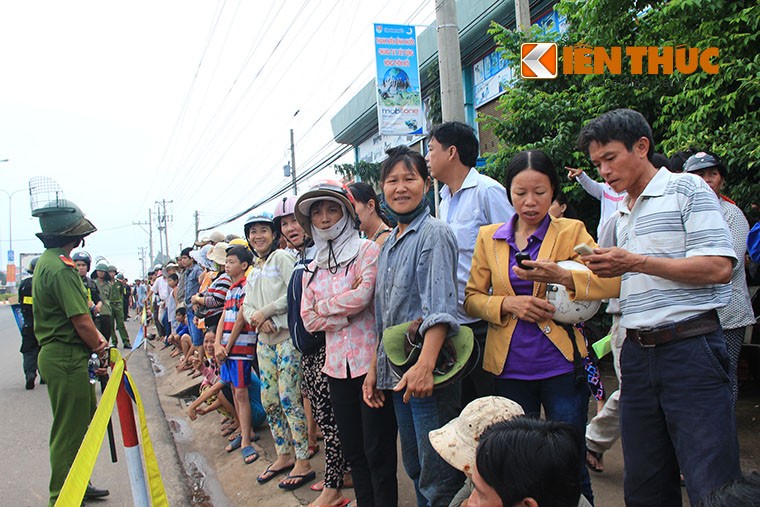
column 399, row 95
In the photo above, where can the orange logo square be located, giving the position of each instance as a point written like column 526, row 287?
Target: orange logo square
column 538, row 60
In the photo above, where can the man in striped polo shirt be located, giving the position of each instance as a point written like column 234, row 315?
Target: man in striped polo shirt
column 675, row 258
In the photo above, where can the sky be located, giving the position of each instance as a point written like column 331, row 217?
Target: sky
column 124, row 104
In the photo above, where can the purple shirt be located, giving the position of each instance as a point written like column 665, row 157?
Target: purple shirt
column 531, row 355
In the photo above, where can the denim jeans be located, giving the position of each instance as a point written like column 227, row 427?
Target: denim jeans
column 563, row 399
column 435, row 481
column 676, row 409
column 195, row 334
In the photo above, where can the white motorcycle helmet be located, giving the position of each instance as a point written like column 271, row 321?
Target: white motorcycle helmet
column 569, row 311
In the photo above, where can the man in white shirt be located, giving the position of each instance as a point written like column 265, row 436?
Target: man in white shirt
column 469, row 200
column 675, row 257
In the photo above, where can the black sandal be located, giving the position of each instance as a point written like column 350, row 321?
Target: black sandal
column 598, row 457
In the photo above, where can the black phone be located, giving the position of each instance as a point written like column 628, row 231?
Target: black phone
column 520, row 257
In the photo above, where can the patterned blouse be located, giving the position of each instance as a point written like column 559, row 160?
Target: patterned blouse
column 346, row 315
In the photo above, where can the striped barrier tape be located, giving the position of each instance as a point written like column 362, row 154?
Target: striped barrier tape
column 79, row 475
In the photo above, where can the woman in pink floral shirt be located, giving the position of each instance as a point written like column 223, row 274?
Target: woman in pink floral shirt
column 338, row 292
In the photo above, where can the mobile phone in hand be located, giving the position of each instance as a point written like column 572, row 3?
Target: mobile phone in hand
column 583, row 249
column 520, row 257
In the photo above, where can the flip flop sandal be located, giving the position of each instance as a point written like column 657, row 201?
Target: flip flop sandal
column 271, row 473
column 313, row 450
column 343, row 502
column 248, row 453
column 594, row 467
column 234, row 444
column 317, row 486
column 229, row 430
column 300, row 480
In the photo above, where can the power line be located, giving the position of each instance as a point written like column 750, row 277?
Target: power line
column 283, row 188
column 186, row 102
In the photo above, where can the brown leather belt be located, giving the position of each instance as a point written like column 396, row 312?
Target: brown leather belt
column 688, row 328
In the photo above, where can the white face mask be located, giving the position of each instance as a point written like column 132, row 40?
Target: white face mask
column 338, row 243
column 332, row 232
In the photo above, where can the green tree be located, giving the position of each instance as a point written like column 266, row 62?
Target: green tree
column 368, row 171
column 718, row 112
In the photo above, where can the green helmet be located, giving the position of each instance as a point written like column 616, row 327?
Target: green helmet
column 101, row 266
column 112, row 268
column 62, row 218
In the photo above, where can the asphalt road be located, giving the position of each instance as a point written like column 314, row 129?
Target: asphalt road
column 25, row 428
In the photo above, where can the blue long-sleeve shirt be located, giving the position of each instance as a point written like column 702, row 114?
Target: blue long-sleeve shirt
column 416, row 277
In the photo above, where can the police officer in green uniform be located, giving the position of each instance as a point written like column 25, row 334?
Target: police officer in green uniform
column 29, row 345
column 117, row 309
column 83, row 261
column 67, row 336
column 103, row 282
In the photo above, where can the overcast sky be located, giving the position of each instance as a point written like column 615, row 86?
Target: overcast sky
column 124, row 104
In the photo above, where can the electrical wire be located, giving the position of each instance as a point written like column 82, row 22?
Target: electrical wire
column 177, row 123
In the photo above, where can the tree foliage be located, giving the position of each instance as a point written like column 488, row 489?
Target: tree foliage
column 717, row 112
column 367, row 171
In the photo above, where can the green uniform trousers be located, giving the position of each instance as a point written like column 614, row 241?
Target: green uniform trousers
column 117, row 314
column 72, row 398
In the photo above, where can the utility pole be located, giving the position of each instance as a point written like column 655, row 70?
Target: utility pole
column 522, row 15
column 141, row 251
column 159, row 226
column 197, row 225
column 150, row 233
column 293, row 162
column 150, row 236
column 163, row 220
column 449, row 61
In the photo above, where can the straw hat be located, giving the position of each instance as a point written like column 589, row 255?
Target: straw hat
column 457, row 441
column 218, row 254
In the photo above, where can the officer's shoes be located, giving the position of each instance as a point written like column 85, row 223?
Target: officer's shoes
column 92, row 492
column 30, row 381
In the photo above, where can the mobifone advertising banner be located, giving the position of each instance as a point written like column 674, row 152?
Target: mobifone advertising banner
column 399, row 94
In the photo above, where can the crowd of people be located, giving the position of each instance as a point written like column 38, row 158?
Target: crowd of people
column 360, row 320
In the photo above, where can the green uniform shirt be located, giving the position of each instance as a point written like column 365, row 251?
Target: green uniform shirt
column 105, row 289
column 58, row 295
column 117, row 294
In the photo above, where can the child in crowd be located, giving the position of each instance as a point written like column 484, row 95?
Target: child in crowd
column 211, row 386
column 180, row 338
column 217, row 395
column 234, row 348
column 172, row 281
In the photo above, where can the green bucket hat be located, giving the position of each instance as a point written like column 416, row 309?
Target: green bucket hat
column 458, row 356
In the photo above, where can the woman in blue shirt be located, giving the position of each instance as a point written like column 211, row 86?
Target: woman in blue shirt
column 416, row 278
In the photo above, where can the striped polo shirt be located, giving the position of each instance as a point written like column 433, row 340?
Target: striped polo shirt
column 245, row 345
column 676, row 216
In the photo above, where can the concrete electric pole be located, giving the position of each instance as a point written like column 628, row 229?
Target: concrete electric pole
column 449, row 61
column 522, row 15
column 197, row 224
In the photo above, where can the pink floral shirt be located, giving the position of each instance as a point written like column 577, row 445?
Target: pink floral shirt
column 346, row 315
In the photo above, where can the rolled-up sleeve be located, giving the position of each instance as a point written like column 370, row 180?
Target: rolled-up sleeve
column 436, row 280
